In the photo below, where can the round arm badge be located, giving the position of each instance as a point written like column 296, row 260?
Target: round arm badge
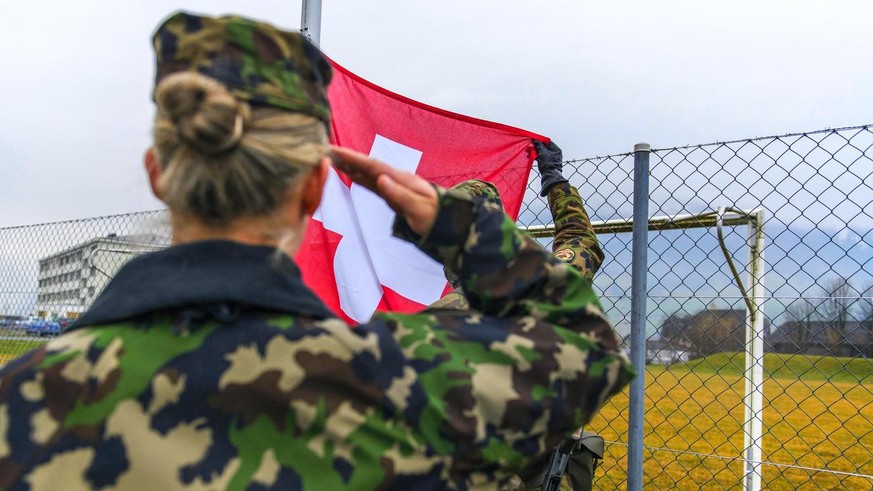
column 565, row 255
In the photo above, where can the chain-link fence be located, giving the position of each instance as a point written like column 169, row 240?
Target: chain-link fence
column 50, row 273
column 797, row 224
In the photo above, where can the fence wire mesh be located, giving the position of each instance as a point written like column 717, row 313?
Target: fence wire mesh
column 816, row 193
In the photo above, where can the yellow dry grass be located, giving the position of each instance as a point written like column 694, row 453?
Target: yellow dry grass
column 694, row 436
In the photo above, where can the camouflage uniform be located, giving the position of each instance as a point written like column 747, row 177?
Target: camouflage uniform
column 211, row 366
column 575, row 241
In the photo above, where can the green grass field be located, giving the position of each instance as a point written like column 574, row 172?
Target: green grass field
column 808, row 368
column 818, row 414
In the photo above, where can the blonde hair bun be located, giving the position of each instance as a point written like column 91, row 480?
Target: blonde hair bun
column 205, row 115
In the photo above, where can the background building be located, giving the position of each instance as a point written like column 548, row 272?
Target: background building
column 70, row 280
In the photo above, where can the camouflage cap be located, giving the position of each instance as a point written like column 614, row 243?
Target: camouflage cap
column 484, row 189
column 256, row 61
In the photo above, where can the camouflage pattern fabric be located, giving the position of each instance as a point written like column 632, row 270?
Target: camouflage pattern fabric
column 454, row 300
column 256, row 61
column 210, row 366
column 474, row 188
column 575, row 242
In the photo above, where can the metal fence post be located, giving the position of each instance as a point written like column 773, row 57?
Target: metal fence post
column 639, row 271
column 754, row 394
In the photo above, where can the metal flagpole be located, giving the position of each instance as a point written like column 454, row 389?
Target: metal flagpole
column 310, row 21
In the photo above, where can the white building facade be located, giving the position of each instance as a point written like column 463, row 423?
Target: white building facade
column 70, row 280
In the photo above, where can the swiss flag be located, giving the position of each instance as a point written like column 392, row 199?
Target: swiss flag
column 348, row 256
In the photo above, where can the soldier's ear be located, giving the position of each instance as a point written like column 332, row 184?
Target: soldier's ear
column 153, row 170
column 313, row 187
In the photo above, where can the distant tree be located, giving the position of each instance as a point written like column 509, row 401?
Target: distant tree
column 799, row 318
column 865, row 307
column 865, row 315
column 836, row 309
column 707, row 331
column 719, row 330
column 674, row 330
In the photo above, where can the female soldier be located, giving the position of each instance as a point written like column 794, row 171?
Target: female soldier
column 211, row 366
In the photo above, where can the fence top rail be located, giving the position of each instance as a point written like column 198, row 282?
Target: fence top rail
column 619, row 156
column 85, row 219
column 619, row 225
column 667, row 222
column 771, row 137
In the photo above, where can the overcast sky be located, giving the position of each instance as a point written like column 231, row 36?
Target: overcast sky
column 597, row 77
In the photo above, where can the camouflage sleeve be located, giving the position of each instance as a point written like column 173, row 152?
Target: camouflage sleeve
column 502, row 270
column 502, row 384
column 454, row 300
column 575, row 241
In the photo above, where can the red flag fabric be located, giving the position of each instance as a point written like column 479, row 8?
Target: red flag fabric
column 348, row 256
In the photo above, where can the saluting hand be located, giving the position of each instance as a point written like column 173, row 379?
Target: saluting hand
column 407, row 194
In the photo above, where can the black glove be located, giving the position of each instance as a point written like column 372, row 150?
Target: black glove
column 550, row 165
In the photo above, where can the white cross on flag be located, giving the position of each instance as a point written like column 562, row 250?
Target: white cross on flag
column 348, row 256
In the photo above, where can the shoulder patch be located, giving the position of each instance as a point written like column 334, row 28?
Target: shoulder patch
column 565, row 255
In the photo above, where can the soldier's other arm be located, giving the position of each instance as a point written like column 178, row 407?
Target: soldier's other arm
column 575, row 241
column 502, row 270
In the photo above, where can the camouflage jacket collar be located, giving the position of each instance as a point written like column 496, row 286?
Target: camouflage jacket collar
column 204, row 273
